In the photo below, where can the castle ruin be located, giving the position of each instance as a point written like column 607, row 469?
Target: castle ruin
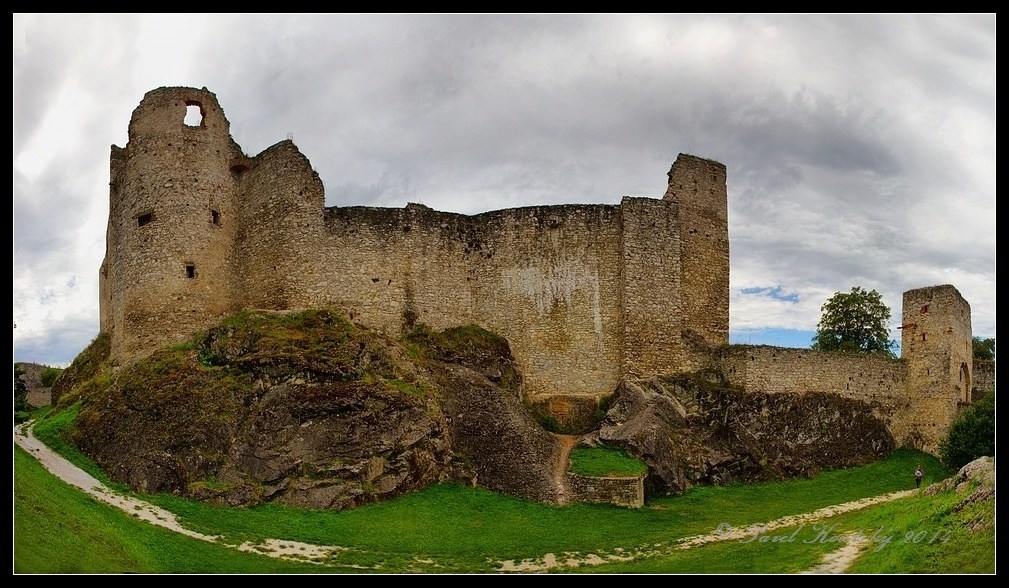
column 586, row 295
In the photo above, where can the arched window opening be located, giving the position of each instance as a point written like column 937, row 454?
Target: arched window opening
column 964, row 383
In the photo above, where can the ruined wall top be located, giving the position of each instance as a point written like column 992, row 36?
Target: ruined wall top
column 163, row 111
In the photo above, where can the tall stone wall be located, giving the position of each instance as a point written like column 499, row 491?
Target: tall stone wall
column 553, row 289
column 377, row 260
column 585, row 294
column 547, row 278
column 171, row 228
column 653, row 307
column 698, row 187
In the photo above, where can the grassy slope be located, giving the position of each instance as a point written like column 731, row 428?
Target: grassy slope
column 58, row 529
column 737, row 504
column 467, row 526
column 928, row 536
column 604, row 461
column 461, row 529
column 52, row 429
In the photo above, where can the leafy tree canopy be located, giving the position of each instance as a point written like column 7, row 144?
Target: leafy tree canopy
column 49, row 375
column 854, row 321
column 984, row 349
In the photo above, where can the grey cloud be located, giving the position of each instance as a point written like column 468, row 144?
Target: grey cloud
column 58, row 345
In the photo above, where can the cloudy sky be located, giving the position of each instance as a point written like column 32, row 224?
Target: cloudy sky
column 860, row 149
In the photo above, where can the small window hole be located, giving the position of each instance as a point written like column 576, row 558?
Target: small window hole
column 145, row 219
column 190, row 271
column 194, row 114
column 215, row 217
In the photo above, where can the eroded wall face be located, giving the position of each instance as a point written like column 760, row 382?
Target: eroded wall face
column 279, row 242
column 545, row 278
column 652, row 306
column 553, row 290
column 171, row 225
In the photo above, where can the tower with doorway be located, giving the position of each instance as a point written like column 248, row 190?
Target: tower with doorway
column 936, row 348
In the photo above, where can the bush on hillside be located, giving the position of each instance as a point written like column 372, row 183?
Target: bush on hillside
column 971, row 435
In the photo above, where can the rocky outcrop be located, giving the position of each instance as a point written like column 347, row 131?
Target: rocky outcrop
column 975, row 482
column 694, row 431
column 479, row 382
column 509, row 451
column 310, row 410
column 977, row 476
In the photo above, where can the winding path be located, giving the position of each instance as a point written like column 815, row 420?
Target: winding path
column 834, row 562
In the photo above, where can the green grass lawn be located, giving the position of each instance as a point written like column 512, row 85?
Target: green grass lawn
column 444, row 528
column 464, row 527
column 925, row 535
column 604, row 461
column 59, row 529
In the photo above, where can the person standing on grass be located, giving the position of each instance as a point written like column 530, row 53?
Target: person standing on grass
column 918, row 475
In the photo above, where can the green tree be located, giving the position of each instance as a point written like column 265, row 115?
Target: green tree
column 971, row 435
column 20, row 395
column 49, row 375
column 984, row 349
column 854, row 321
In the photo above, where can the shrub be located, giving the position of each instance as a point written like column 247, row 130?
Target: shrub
column 971, row 435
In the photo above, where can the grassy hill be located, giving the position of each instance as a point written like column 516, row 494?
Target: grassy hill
column 449, row 528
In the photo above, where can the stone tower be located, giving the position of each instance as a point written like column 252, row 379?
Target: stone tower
column 698, row 187
column 936, row 348
column 172, row 222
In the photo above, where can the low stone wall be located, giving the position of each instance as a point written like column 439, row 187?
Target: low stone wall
column 622, row 491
